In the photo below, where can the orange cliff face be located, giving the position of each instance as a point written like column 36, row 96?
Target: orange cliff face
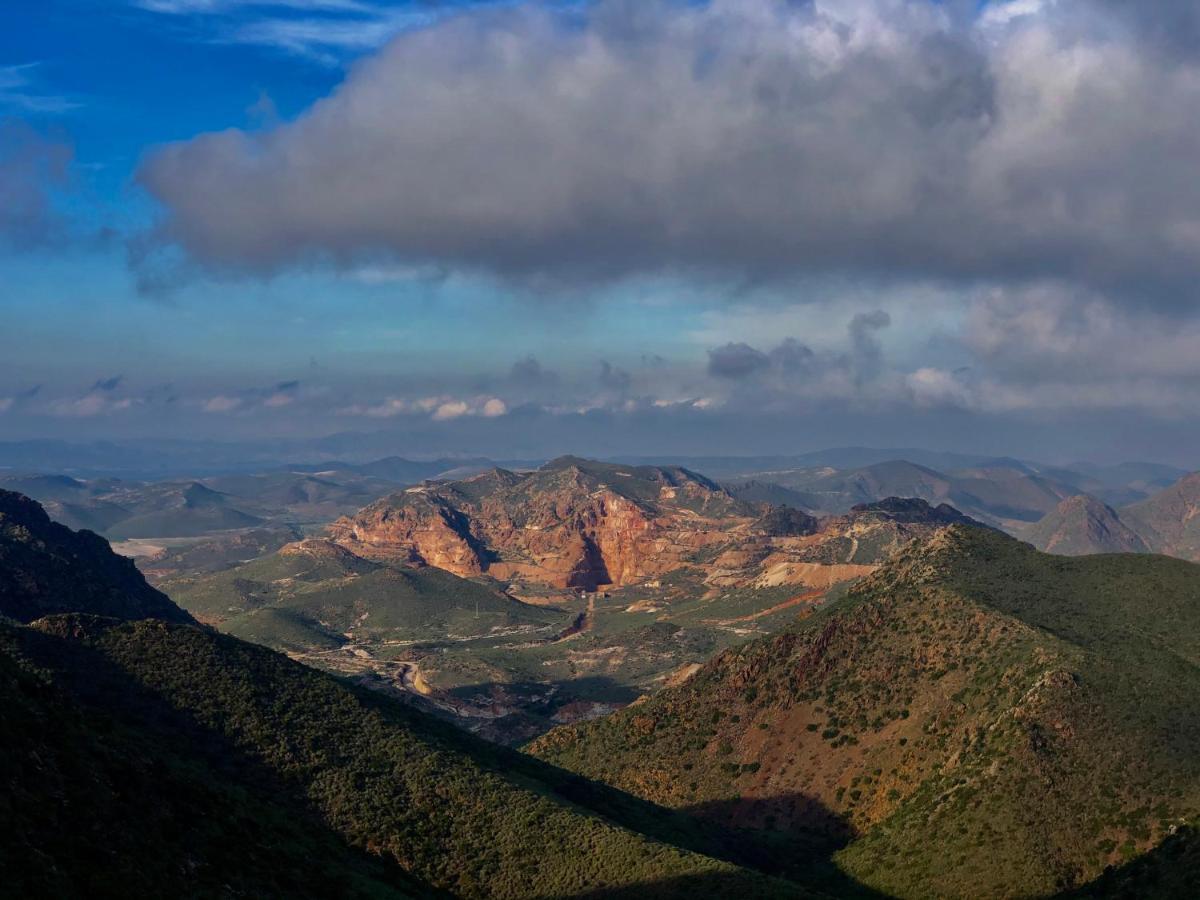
column 572, row 524
column 421, row 529
column 578, row 524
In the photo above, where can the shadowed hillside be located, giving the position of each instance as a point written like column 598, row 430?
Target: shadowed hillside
column 46, row 568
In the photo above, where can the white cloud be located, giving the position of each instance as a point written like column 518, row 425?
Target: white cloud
column 932, row 387
column 221, row 404
column 450, row 410
column 754, row 138
column 90, row 405
column 279, row 399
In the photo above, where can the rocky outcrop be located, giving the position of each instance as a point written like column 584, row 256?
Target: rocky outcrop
column 577, row 524
column 419, row 527
column 572, row 524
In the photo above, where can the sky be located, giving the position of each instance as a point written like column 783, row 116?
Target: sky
column 610, row 227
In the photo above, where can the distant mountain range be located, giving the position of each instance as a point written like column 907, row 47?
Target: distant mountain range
column 1005, row 493
column 1059, row 510
column 122, row 509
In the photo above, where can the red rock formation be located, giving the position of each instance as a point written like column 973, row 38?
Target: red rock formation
column 586, row 525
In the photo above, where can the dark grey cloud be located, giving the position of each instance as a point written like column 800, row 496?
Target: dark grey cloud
column 613, row 378
column 756, row 138
column 530, row 373
column 866, row 353
column 779, row 368
column 32, row 167
column 736, row 360
column 107, row 384
column 792, row 358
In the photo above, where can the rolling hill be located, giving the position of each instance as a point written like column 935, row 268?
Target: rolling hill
column 326, row 596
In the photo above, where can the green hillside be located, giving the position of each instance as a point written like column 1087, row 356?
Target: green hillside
column 305, row 594
column 977, row 719
column 262, row 772
column 99, row 802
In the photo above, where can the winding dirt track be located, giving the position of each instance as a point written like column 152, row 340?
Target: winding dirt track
column 807, row 597
column 583, row 622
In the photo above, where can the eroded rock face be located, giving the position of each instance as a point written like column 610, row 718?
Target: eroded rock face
column 577, row 524
column 574, row 525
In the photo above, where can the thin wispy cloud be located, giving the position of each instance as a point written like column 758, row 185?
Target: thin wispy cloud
column 326, row 40
column 321, row 31
column 20, row 93
column 203, row 7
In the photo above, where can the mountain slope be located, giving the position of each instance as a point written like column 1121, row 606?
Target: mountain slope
column 1170, row 520
column 153, row 758
column 976, row 719
column 46, row 568
column 579, row 524
column 1002, row 492
column 98, row 804
column 333, row 597
column 1083, row 525
column 413, row 802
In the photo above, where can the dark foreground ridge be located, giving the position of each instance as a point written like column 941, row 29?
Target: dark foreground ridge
column 46, row 568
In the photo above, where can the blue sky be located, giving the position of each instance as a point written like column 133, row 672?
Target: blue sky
column 426, row 218
column 115, row 81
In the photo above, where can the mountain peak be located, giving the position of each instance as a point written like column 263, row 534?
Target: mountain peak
column 914, row 510
column 1082, row 525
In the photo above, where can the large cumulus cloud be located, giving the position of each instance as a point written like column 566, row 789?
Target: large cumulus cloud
column 757, row 138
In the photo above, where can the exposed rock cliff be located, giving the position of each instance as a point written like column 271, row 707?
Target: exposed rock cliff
column 585, row 525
